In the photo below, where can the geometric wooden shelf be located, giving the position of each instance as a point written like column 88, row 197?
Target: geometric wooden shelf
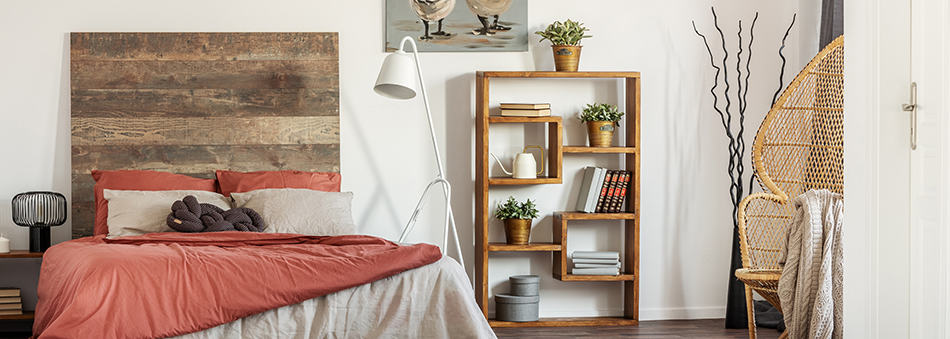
column 513, row 181
column 629, row 150
column 18, row 254
column 605, row 150
column 572, row 277
column 565, row 322
column 496, row 119
column 595, row 216
column 558, row 75
column 531, row 247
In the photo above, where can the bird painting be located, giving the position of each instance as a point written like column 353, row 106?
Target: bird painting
column 485, row 9
column 432, row 11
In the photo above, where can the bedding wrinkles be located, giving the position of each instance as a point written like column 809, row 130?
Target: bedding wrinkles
column 167, row 284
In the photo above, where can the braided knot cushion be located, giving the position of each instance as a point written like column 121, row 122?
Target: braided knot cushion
column 188, row 215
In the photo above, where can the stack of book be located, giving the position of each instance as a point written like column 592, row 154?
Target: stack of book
column 595, row 263
column 603, row 190
column 525, row 110
column 10, row 302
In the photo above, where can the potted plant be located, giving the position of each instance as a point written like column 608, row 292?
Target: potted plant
column 565, row 38
column 517, row 217
column 601, row 119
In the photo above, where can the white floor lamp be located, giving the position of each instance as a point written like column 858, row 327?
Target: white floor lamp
column 397, row 81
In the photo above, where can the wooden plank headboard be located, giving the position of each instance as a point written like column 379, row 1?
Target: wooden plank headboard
column 192, row 103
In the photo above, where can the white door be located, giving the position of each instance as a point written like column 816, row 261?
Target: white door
column 930, row 170
column 896, row 223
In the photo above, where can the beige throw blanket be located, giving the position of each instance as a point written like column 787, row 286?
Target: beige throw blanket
column 810, row 286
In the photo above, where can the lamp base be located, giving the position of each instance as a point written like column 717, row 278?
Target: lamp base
column 39, row 239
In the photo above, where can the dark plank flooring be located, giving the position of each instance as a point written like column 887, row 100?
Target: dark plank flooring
column 705, row 328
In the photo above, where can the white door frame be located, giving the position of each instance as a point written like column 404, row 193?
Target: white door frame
column 887, row 283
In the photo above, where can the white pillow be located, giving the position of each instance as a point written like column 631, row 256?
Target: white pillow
column 141, row 212
column 301, row 211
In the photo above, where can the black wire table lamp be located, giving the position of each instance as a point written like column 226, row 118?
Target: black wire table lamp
column 39, row 211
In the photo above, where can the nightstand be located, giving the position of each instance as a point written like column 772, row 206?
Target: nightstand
column 20, row 325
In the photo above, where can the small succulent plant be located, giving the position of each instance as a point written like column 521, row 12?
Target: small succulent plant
column 601, row 112
column 567, row 33
column 512, row 209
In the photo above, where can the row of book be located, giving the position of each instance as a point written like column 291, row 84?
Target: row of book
column 525, row 110
column 595, row 263
column 603, row 190
column 10, row 302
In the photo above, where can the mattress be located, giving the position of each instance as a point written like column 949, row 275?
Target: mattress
column 432, row 301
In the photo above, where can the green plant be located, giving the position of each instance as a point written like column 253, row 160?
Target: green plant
column 567, row 33
column 512, row 209
column 601, row 112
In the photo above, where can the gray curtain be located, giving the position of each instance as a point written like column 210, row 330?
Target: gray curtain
column 832, row 21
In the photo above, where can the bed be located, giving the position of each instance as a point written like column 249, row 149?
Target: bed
column 157, row 102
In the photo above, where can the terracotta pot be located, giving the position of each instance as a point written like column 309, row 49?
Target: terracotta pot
column 566, row 58
column 517, row 231
column 600, row 133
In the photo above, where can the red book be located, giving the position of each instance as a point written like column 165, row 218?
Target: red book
column 611, row 188
column 622, row 192
column 602, row 199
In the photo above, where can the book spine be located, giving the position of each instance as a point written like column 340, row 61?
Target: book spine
column 598, row 184
column 618, row 196
column 615, row 198
column 611, row 187
column 623, row 190
column 612, row 202
column 601, row 200
column 584, row 193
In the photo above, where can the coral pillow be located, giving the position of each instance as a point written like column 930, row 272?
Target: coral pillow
column 139, row 181
column 239, row 182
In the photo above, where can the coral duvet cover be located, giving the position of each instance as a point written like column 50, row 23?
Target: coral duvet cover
column 167, row 284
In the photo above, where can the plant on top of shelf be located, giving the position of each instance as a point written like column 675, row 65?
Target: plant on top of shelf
column 517, row 217
column 565, row 38
column 600, row 119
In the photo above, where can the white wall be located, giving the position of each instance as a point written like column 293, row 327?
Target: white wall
column 686, row 224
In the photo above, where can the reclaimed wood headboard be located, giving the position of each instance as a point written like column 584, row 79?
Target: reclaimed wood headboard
column 192, row 103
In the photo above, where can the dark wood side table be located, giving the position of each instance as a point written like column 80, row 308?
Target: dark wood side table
column 20, row 325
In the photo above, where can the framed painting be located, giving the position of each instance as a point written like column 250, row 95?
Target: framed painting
column 458, row 26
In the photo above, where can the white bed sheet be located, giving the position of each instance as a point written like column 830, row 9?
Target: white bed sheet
column 432, row 301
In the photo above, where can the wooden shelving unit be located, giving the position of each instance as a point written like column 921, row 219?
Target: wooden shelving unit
column 631, row 217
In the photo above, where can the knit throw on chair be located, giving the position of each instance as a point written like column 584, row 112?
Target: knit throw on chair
column 810, row 287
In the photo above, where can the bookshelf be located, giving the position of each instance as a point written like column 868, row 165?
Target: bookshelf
column 630, row 150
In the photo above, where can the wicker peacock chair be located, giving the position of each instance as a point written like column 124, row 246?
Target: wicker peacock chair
column 798, row 147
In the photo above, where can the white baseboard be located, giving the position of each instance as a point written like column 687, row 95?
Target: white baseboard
column 672, row 313
column 707, row 312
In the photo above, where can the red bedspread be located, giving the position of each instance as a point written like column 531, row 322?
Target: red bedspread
column 166, row 284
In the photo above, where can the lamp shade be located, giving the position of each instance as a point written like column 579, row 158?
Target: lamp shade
column 397, row 78
column 39, row 211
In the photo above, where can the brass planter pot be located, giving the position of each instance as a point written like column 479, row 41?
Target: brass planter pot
column 600, row 133
column 517, row 231
column 566, row 58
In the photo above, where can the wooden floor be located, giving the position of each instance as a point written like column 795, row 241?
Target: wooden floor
column 706, row 328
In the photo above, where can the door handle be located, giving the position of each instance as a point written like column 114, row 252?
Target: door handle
column 912, row 108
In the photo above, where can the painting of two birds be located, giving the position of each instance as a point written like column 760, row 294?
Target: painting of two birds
column 441, row 26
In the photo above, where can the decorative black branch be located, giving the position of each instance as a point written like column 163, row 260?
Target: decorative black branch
column 737, row 143
column 735, row 312
column 781, row 76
